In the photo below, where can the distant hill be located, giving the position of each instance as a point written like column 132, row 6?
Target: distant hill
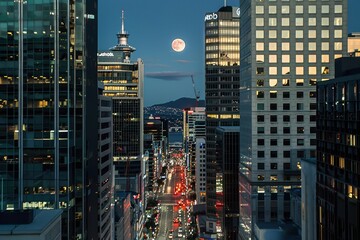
column 182, row 103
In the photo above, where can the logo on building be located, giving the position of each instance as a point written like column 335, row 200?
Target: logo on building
column 211, row 16
column 105, row 54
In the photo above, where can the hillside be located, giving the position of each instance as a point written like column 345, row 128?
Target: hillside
column 182, row 103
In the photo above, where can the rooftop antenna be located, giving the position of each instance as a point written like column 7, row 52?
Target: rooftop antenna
column 122, row 22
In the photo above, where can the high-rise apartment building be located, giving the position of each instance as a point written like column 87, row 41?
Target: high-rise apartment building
column 286, row 48
column 222, row 60
column 338, row 149
column 48, row 126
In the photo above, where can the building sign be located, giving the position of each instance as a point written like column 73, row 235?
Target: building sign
column 211, row 16
column 105, row 54
column 235, row 12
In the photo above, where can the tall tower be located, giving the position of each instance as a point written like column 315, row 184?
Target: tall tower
column 222, row 59
column 286, row 47
column 48, row 127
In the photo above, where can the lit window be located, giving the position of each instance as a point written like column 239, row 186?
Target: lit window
column 338, row 21
column 325, row 46
column 325, row 21
column 285, row 46
column 299, row 22
column 285, row 70
column 312, row 58
column 259, row 22
column 259, row 46
column 273, row 178
column 272, row 22
column 286, row 82
column 312, row 70
column 259, row 33
column 299, row 82
column 259, row 9
column 285, row 58
column 272, row 34
column 272, row 58
column 285, row 34
column 312, row 21
column 325, row 70
column 299, row 46
column 285, row 9
column 338, row 9
column 299, row 70
column 259, row 58
column 299, row 58
column 312, row 46
column 338, row 46
column 325, row 9
column 272, row 82
column 338, row 33
column 324, row 33
column 299, row 34
column 272, row 9
column 272, row 46
column 312, row 9
column 312, row 33
column 285, row 22
column 299, row 9
column 272, row 70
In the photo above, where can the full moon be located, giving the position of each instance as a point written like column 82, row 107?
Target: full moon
column 178, row 45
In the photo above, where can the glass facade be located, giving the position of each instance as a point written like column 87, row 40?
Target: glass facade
column 222, row 59
column 44, row 87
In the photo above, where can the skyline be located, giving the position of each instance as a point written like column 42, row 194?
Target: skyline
column 168, row 73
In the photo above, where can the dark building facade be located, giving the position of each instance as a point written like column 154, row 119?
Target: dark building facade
column 338, row 152
column 48, row 125
column 227, row 185
column 222, row 59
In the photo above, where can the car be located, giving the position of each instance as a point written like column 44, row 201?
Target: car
column 176, row 220
column 183, row 193
column 171, row 234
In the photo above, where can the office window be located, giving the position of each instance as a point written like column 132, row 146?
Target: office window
column 260, row 106
column 338, row 8
column 286, row 130
column 286, row 82
column 299, row 46
column 259, row 46
column 272, row 58
column 272, row 22
column 273, row 166
column 272, row 70
column 261, row 166
column 338, row 46
column 259, row 9
column 299, row 34
column 312, row 118
column 312, row 106
column 286, row 94
column 286, row 154
column 259, row 71
column 325, row 8
column 260, row 34
column 338, row 33
column 312, row 33
column 325, row 21
column 272, row 9
column 312, row 58
column 285, row 9
column 260, row 118
column 273, row 106
column 300, row 130
column 261, row 154
column 273, row 118
column 260, row 130
column 325, row 58
column 286, row 165
column 285, row 58
column 260, row 83
column 299, row 70
column 259, row 22
column 273, row 142
column 338, row 21
column 286, row 106
column 299, row 106
column 285, row 70
column 299, row 58
column 273, row 154
column 285, row 22
column 312, row 9
column 273, row 94
column 300, row 154
column 273, row 129
column 325, row 34
column 299, row 94
column 274, row 178
column 285, row 46
column 299, row 9
column 312, row 70
column 261, row 177
column 285, row 34
column 286, row 118
column 261, row 142
column 286, row 142
column 272, row 46
column 272, row 34
column 312, row 94
column 312, row 46
column 272, row 82
column 300, row 118
column 300, row 142
column 299, row 22
column 312, row 22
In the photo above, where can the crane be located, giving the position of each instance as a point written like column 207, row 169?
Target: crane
column 197, row 93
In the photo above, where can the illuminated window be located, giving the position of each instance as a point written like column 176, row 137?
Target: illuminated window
column 299, row 46
column 272, row 46
column 285, row 34
column 272, row 34
column 325, row 21
column 338, row 21
column 312, row 70
column 325, row 58
column 325, row 70
column 259, row 46
column 260, row 22
column 338, row 46
column 299, row 82
column 272, row 70
column 299, row 9
column 312, row 21
column 324, row 33
column 325, row 8
column 285, row 22
column 285, row 70
column 342, row 162
column 285, row 58
column 259, row 9
column 312, row 58
column 299, row 58
column 312, row 46
column 338, row 9
column 259, row 33
column 299, row 22
column 285, row 46
column 272, row 58
column 312, row 9
column 259, row 58
column 272, row 82
column 285, row 9
column 286, row 82
column 272, row 9
column 299, row 70
column 272, row 22
column 338, row 33
column 312, row 33
column 261, row 178
column 273, row 178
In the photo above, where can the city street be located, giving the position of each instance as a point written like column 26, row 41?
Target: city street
column 172, row 215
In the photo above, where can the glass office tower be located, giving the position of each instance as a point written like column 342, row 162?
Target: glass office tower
column 48, row 90
column 286, row 47
column 222, row 59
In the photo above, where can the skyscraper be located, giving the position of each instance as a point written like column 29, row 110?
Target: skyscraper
column 222, row 59
column 48, row 88
column 286, row 47
column 338, row 123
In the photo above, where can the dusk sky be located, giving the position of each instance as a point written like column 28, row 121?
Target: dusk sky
column 154, row 24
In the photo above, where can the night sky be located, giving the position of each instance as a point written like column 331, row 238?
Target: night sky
column 154, row 24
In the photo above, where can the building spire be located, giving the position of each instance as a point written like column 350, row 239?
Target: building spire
column 224, row 3
column 122, row 22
